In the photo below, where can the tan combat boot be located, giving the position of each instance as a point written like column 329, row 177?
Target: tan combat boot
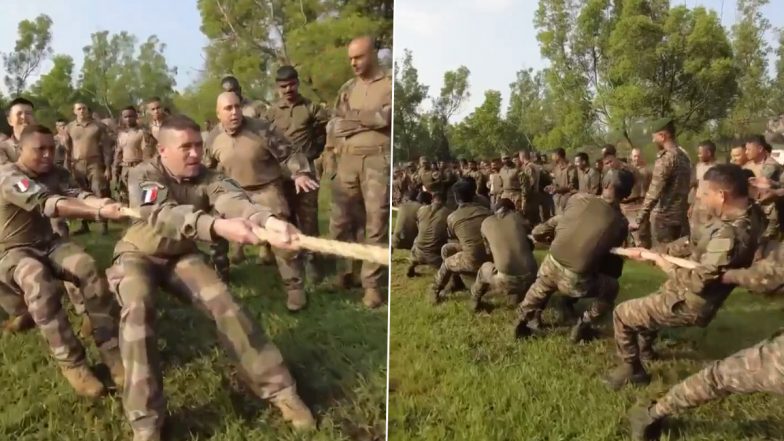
column 113, row 361
column 294, row 410
column 83, row 381
column 372, row 298
column 18, row 323
column 297, row 300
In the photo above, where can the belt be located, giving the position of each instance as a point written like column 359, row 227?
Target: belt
column 255, row 187
column 364, row 150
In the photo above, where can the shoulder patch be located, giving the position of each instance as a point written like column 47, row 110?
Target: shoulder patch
column 22, row 185
column 719, row 245
column 150, row 192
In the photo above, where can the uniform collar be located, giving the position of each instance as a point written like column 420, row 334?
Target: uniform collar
column 284, row 104
column 84, row 123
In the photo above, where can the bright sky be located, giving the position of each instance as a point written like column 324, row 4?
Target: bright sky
column 493, row 38
column 175, row 22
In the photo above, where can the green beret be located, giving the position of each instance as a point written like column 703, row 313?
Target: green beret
column 659, row 125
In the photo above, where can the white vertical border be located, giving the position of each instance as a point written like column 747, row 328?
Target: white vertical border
column 389, row 242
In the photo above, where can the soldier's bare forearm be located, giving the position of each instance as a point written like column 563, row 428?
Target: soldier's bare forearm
column 70, row 208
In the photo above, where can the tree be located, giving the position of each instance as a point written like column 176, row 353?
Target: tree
column 483, row 133
column 777, row 87
column 54, row 92
column 751, row 60
column 527, row 114
column 454, row 93
column 251, row 38
column 409, row 95
column 32, row 47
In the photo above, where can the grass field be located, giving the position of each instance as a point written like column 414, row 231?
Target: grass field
column 459, row 376
column 335, row 348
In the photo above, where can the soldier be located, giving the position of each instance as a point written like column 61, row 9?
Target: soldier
column 667, row 196
column 473, row 171
column 157, row 115
column 19, row 113
column 690, row 297
column 533, row 174
column 706, row 153
column 250, row 151
column 174, row 194
column 431, row 228
column 468, row 254
column 564, row 180
column 738, row 155
column 515, row 185
column 304, row 125
column 61, row 142
column 764, row 166
column 494, row 182
column 250, row 108
column 588, row 180
column 755, row 369
column 363, row 116
column 406, row 225
column 35, row 261
column 513, row 267
column 579, row 264
column 632, row 204
column 89, row 157
column 131, row 150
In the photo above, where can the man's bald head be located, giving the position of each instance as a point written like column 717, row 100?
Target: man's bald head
column 362, row 55
column 229, row 110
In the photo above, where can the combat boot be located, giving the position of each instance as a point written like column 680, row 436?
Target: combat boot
column 564, row 311
column 644, row 426
column 524, row 329
column 624, row 373
column 83, row 381
column 372, row 298
column 411, row 271
column 19, row 323
column 297, row 300
column 237, row 255
column 294, row 410
column 313, row 270
column 477, row 292
column 112, row 359
column 344, row 281
column 84, row 229
column 86, row 330
column 582, row 331
column 647, row 353
column 147, row 435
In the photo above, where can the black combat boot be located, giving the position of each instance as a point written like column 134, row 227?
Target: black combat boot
column 627, row 373
column 644, row 426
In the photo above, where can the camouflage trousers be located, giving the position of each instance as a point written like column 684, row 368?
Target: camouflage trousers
column 454, row 263
column 488, row 278
column 304, row 211
column 134, row 279
column 516, row 197
column 636, row 322
column 755, row 369
column 666, row 229
column 38, row 274
column 419, row 257
column 553, row 277
column 289, row 262
column 643, row 236
column 362, row 180
column 559, row 201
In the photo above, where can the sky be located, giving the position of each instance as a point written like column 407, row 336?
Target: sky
column 175, row 22
column 494, row 39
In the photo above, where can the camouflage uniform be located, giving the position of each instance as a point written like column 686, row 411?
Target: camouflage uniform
column 480, row 179
column 406, row 226
column 515, row 186
column 431, row 236
column 565, row 183
column 533, row 173
column 754, row 369
column 251, row 155
column 160, row 250
column 579, row 264
column 513, row 268
column 363, row 115
column 467, row 254
column 131, row 150
column 88, row 156
column 666, row 202
column 690, row 296
column 632, row 205
column 772, row 170
column 35, row 262
column 304, row 125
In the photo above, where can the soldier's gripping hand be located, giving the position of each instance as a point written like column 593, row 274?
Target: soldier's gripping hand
column 237, row 230
column 282, row 234
column 303, row 184
column 111, row 211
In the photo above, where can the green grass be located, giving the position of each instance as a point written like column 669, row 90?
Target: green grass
column 459, row 376
column 335, row 348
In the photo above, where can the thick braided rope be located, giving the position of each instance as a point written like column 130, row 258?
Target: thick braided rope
column 357, row 251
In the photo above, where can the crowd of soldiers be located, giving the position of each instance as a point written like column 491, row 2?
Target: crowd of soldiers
column 179, row 185
column 482, row 220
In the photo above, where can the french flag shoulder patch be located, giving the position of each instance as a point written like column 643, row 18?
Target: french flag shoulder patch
column 151, row 192
column 22, row 185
